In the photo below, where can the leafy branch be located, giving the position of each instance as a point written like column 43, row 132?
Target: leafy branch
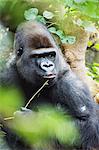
column 33, row 14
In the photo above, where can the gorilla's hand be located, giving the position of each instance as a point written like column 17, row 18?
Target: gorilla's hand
column 23, row 112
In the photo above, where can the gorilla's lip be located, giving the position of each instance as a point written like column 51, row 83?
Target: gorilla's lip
column 49, row 76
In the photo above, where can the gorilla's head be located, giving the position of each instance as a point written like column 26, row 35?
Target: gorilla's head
column 38, row 58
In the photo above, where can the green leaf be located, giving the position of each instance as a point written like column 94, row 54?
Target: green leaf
column 48, row 14
column 91, row 74
column 31, row 14
column 96, row 64
column 96, row 46
column 64, row 40
column 89, row 43
column 52, row 29
column 69, row 40
column 60, row 33
column 41, row 19
column 94, row 69
column 79, row 1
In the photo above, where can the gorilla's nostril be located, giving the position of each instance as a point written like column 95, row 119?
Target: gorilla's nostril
column 45, row 65
column 48, row 65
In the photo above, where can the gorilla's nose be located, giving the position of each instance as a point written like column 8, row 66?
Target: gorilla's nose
column 47, row 66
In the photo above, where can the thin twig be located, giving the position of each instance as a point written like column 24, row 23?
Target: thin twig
column 8, row 118
column 46, row 83
column 51, row 25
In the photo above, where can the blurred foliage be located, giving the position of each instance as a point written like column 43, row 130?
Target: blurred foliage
column 94, row 71
column 5, row 35
column 12, row 12
column 6, row 43
column 85, row 7
column 10, row 101
column 47, row 124
column 37, row 128
column 95, row 46
column 86, row 10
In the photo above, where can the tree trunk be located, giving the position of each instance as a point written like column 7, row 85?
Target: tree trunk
column 75, row 55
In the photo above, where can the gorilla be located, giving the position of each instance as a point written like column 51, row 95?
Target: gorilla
column 38, row 58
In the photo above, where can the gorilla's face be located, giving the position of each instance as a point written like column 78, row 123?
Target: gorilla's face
column 36, row 54
column 37, row 65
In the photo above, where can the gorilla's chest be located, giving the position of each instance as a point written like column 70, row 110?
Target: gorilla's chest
column 47, row 96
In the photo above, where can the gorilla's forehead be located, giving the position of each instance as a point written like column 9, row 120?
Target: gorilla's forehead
column 34, row 34
column 30, row 28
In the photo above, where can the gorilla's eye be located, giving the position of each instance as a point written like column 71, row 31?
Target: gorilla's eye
column 20, row 51
column 52, row 55
column 36, row 56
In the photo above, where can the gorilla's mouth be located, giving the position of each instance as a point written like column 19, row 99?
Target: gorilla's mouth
column 49, row 76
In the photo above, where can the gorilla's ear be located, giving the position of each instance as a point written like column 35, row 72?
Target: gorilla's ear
column 19, row 52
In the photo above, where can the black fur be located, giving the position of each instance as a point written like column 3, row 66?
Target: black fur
column 33, row 40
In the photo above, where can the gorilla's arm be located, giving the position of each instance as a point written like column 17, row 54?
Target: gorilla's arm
column 76, row 97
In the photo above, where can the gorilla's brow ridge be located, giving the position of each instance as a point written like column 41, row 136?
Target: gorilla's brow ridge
column 39, row 41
